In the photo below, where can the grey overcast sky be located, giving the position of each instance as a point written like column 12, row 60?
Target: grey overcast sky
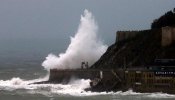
column 48, row 19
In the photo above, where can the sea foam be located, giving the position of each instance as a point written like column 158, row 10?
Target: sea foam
column 74, row 88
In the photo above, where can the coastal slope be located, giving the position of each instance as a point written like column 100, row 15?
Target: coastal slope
column 140, row 49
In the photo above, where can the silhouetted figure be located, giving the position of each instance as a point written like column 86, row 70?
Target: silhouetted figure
column 82, row 65
column 86, row 65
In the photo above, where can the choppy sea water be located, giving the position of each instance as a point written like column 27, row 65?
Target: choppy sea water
column 18, row 87
column 19, row 68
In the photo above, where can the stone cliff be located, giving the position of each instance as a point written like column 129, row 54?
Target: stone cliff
column 138, row 48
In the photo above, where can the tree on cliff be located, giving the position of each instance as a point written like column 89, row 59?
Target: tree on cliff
column 168, row 19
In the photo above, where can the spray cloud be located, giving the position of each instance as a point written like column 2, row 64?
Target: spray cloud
column 84, row 46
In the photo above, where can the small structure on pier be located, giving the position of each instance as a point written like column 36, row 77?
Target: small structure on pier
column 84, row 65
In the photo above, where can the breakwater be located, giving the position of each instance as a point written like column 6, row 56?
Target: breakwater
column 109, row 76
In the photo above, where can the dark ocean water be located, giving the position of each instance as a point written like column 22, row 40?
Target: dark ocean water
column 20, row 65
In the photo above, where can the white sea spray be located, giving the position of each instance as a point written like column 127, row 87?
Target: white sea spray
column 84, row 46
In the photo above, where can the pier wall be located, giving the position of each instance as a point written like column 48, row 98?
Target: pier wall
column 64, row 76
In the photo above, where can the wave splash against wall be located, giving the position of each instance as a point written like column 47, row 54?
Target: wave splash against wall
column 84, row 46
